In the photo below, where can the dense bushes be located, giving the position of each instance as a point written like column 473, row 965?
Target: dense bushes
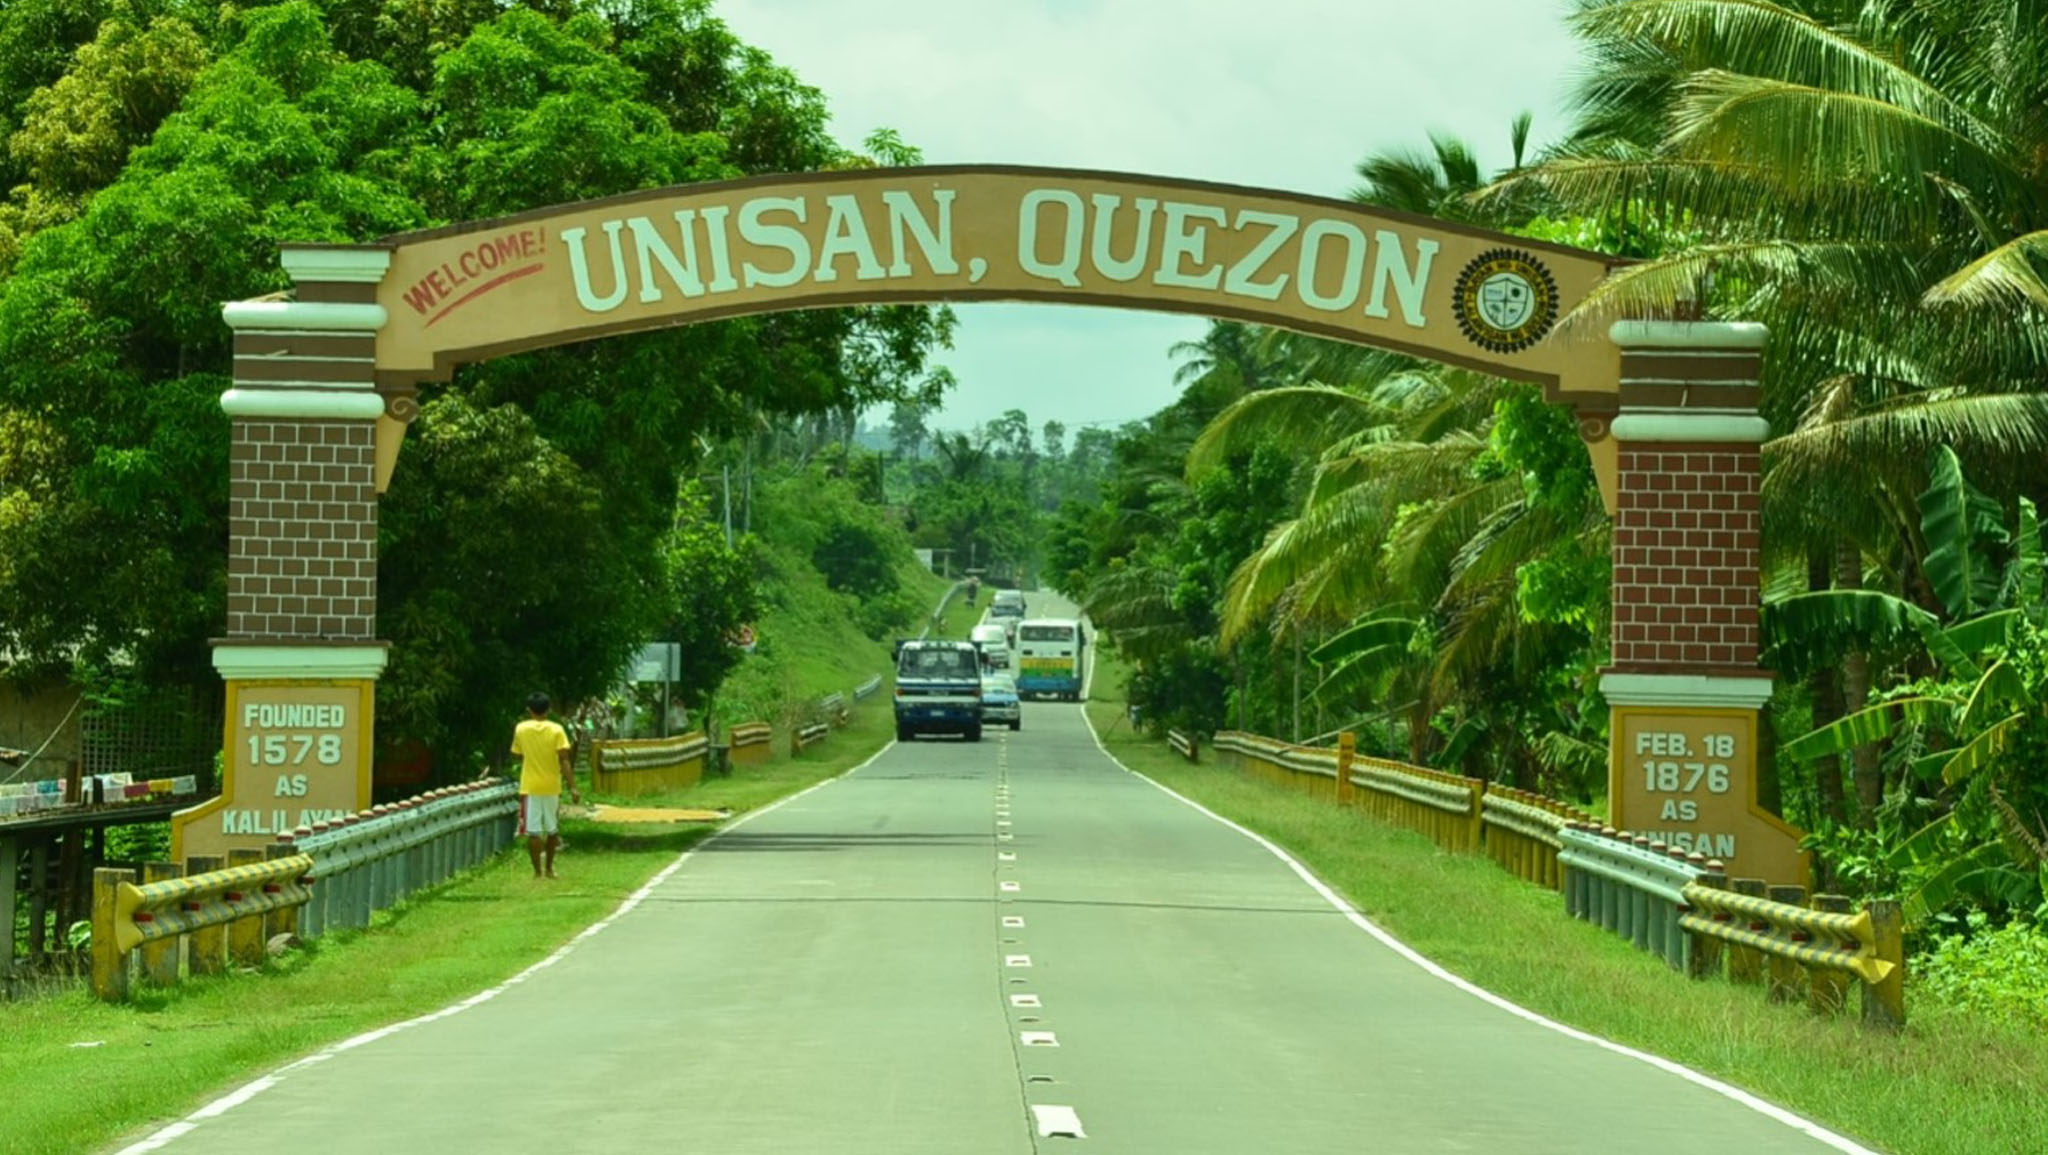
column 1999, row 971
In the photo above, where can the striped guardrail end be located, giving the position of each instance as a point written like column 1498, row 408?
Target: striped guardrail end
column 161, row 909
column 1858, row 961
column 1848, row 941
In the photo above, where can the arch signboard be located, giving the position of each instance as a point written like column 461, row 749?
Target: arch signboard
column 324, row 386
column 676, row 255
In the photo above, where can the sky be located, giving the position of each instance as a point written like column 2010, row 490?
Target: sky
column 1278, row 94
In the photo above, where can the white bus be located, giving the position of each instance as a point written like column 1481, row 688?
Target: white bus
column 1048, row 657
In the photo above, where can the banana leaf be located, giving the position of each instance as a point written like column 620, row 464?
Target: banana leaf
column 1810, row 631
column 1976, row 636
column 2000, row 688
column 1866, row 726
column 1954, row 517
column 2023, row 575
column 1981, row 750
column 1982, row 876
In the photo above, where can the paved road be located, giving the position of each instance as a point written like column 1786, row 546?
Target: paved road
column 872, row 967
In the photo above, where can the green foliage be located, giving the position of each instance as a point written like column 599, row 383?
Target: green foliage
column 139, row 842
column 711, row 594
column 2000, row 972
column 160, row 155
column 854, row 558
column 1962, row 526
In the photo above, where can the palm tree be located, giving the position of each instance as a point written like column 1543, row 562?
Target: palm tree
column 1870, row 180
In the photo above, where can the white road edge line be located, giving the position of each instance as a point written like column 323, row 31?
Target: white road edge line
column 168, row 1133
column 1763, row 1107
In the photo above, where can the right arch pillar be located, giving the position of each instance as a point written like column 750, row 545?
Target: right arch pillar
column 1685, row 689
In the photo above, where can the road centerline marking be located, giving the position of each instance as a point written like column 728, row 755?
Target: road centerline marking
column 1055, row 1122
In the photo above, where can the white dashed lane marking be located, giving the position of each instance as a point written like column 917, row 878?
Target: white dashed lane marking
column 1057, row 1122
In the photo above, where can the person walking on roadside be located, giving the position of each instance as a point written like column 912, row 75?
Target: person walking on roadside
column 547, row 765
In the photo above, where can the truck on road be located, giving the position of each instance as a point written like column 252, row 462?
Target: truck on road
column 938, row 689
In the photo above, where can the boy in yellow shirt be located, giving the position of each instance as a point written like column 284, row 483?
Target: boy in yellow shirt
column 546, row 765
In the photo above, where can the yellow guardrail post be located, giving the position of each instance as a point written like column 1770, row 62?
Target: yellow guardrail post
column 207, row 947
column 1706, row 949
column 1784, row 972
column 1884, row 1001
column 1827, row 989
column 245, row 934
column 1475, row 817
column 1347, row 749
column 160, row 958
column 109, row 961
column 1746, row 963
column 285, row 919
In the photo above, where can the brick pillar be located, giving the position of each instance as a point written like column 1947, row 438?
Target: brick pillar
column 1684, row 684
column 300, row 654
column 1689, row 472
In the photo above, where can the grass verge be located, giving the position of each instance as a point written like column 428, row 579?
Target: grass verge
column 77, row 1074
column 1950, row 1084
column 960, row 617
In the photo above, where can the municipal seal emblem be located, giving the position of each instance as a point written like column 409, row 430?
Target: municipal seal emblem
column 1505, row 300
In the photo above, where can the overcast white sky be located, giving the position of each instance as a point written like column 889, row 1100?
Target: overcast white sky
column 1283, row 94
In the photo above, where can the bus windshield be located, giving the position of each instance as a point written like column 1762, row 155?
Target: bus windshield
column 1045, row 633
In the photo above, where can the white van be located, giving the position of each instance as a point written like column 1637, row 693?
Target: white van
column 994, row 643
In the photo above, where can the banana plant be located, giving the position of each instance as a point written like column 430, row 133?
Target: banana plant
column 1988, row 578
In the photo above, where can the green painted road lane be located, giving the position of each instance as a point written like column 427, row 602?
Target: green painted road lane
column 851, row 972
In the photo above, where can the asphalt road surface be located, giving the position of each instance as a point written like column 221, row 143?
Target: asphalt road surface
column 980, row 949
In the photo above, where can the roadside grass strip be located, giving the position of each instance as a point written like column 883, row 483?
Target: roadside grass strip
column 76, row 1074
column 1950, row 1083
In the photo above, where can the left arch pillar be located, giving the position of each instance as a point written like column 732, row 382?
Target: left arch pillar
column 300, row 657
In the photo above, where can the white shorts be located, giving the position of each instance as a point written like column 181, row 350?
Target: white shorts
column 540, row 815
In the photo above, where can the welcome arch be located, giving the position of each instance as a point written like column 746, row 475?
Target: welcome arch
column 325, row 384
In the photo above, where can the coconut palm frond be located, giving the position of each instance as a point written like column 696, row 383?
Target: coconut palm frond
column 1300, row 415
column 2004, row 277
column 1830, row 134
column 1998, row 432
column 1770, row 40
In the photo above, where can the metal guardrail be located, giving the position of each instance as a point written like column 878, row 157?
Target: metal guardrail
column 1522, row 833
column 639, row 765
column 1779, row 941
column 620, row 754
column 1445, row 807
column 1183, row 744
column 221, row 911
column 750, row 734
column 316, row 878
column 939, row 614
column 867, row 689
column 833, row 707
column 157, row 910
column 1631, row 886
column 368, row 861
column 1668, row 902
column 804, row 736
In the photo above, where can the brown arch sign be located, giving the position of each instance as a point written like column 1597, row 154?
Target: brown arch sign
column 323, row 383
column 990, row 233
